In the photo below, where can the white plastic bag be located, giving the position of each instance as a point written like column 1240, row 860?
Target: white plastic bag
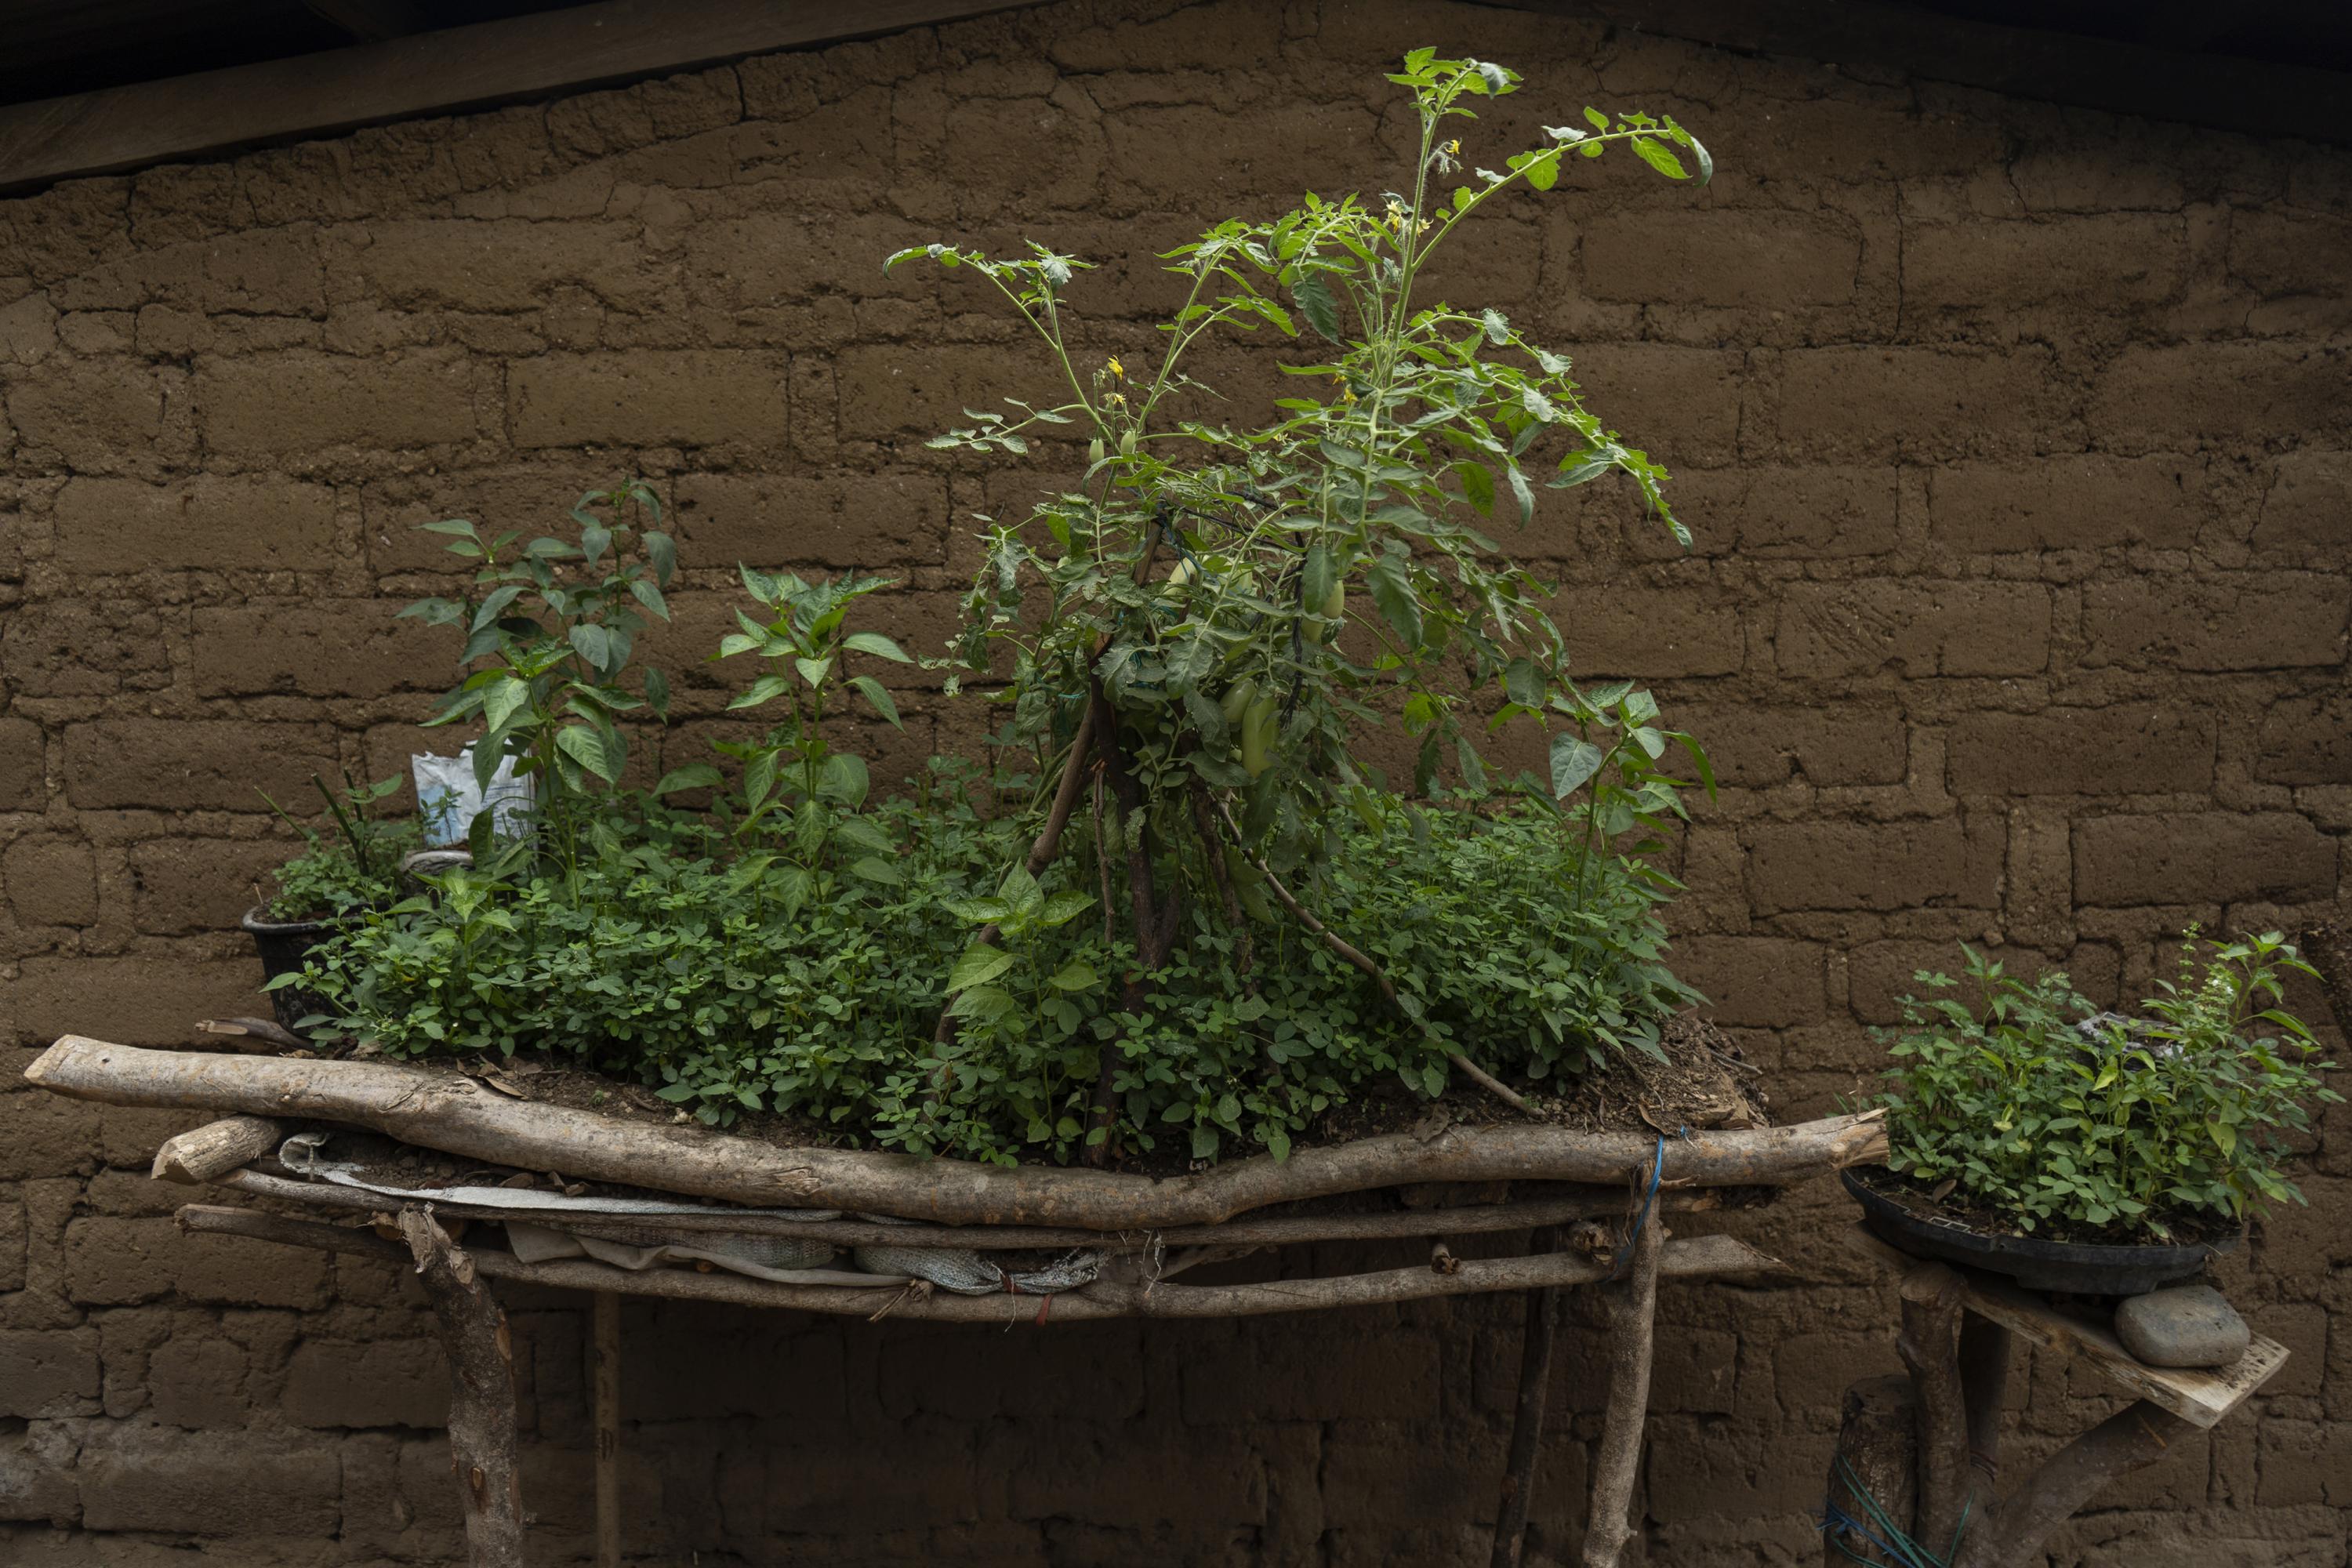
column 447, row 798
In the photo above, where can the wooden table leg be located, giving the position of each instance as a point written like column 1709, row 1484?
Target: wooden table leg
column 1632, row 1335
column 1543, row 1312
column 604, row 1358
column 482, row 1393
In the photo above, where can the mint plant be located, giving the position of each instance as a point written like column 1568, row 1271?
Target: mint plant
column 2058, row 1117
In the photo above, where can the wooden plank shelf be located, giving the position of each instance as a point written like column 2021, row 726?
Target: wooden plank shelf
column 2201, row 1397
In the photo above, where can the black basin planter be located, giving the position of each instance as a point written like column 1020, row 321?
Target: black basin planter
column 2081, row 1268
column 283, row 945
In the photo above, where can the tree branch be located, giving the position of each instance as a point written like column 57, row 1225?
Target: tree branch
column 482, row 1395
column 2130, row 1439
column 1932, row 1294
column 1543, row 1310
column 1632, row 1303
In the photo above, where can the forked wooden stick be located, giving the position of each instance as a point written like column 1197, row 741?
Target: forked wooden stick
column 482, row 1393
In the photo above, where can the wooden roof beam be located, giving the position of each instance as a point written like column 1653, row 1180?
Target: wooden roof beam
column 444, row 72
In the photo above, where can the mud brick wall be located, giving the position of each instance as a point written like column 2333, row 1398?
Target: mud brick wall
column 2015, row 441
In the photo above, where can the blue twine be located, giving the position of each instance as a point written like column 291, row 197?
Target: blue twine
column 1657, row 1170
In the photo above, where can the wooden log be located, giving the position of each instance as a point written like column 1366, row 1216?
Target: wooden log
column 605, row 1376
column 1542, row 1327
column 443, row 1111
column 1984, row 1391
column 1617, row 1459
column 1874, row 1472
column 217, row 1148
column 482, row 1394
column 1929, row 1345
column 1703, row 1258
column 1296, row 1230
column 2132, row 1439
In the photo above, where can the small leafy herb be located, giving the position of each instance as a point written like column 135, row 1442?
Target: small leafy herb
column 2058, row 1117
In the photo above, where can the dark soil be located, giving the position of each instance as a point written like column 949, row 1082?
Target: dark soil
column 2183, row 1228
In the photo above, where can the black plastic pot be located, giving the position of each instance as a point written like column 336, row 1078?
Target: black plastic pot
column 283, row 945
column 2079, row 1268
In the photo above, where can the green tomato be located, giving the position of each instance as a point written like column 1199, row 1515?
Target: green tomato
column 1237, row 698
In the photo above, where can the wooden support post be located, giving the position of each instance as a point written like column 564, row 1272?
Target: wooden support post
column 2012, row 1533
column 1929, row 1346
column 1543, row 1312
column 1633, row 1333
column 1874, row 1472
column 482, row 1393
column 605, row 1364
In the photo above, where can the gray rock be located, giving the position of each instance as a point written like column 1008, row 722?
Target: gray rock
column 2187, row 1325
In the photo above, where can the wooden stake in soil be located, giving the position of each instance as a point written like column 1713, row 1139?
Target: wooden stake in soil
column 1543, row 1310
column 1632, row 1334
column 482, row 1393
column 604, row 1367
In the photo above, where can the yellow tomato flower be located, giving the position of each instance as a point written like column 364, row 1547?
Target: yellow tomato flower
column 1116, row 368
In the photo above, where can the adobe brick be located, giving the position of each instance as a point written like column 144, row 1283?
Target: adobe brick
column 2137, row 749
column 13, row 1235
column 2193, row 395
column 1178, row 151
column 2103, row 261
column 2307, row 740
column 2281, row 254
column 2309, row 505
column 692, row 397
column 1859, row 402
column 120, row 1262
column 2244, row 621
column 1816, row 513
column 873, row 522
column 138, row 1001
column 886, row 392
column 1386, row 1376
column 48, row 1373
column 1879, row 974
column 267, row 271
column 1680, row 404
column 2201, row 857
column 1650, row 633
column 378, row 1382
column 24, row 763
column 1917, row 629
column 73, row 648
column 28, row 331
column 1834, row 139
column 818, row 1485
column 1734, row 1470
column 1734, row 259
column 2066, row 503
column 303, row 401
column 532, row 499
column 178, row 764
column 1752, row 746
column 1875, row 866
column 197, row 1380
column 36, row 1475
column 507, row 264
column 342, row 647
column 94, row 414
column 1761, row 982
column 212, row 520
column 205, row 884
column 153, row 1478
column 51, row 880
column 763, row 259
column 48, row 1136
